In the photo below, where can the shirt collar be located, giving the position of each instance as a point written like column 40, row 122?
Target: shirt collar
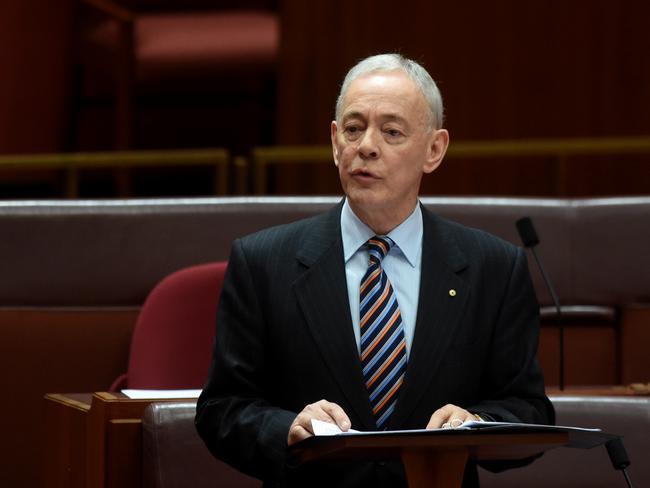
column 407, row 235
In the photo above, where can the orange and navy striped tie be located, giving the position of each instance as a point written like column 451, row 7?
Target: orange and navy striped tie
column 383, row 348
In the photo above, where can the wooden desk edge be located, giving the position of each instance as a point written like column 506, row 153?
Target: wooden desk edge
column 66, row 399
column 107, row 396
column 381, row 445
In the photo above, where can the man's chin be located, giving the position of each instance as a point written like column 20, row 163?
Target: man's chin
column 367, row 201
column 365, row 197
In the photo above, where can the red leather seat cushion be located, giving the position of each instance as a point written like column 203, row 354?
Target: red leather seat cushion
column 202, row 43
column 176, row 51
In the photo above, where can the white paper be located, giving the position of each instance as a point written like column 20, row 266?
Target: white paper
column 327, row 428
column 473, row 424
column 160, row 394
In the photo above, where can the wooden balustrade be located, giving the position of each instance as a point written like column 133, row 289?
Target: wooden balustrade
column 533, row 167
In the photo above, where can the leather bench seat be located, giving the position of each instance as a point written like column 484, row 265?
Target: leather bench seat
column 564, row 467
column 105, row 256
column 175, row 457
column 76, row 272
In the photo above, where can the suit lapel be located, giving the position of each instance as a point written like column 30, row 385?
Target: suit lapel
column 321, row 292
column 439, row 311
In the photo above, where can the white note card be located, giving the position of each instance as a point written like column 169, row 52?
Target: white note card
column 160, row 394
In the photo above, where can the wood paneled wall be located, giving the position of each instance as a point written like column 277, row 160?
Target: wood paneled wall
column 35, row 48
column 507, row 69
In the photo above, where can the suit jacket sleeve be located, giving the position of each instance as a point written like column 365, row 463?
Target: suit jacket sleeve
column 234, row 417
column 513, row 380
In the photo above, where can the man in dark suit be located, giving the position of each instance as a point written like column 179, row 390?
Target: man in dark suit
column 375, row 315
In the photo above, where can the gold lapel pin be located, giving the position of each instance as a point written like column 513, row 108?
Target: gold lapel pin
column 452, row 293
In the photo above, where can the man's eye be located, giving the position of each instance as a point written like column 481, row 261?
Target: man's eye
column 393, row 132
column 352, row 131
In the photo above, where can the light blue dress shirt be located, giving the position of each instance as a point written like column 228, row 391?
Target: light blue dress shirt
column 402, row 265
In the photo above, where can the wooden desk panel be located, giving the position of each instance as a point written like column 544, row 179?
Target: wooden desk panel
column 432, row 460
column 94, row 440
column 66, row 425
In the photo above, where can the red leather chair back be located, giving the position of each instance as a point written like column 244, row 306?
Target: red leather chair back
column 180, row 5
column 173, row 336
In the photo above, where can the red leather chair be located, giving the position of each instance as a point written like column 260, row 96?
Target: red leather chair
column 172, row 340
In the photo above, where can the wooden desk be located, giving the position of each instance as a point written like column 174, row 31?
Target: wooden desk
column 66, row 418
column 94, row 440
column 431, row 460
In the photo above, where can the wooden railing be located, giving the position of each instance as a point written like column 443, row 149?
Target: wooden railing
column 256, row 173
column 71, row 164
column 558, row 152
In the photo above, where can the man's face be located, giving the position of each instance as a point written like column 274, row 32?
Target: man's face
column 383, row 145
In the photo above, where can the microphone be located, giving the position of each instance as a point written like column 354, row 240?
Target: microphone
column 618, row 456
column 530, row 240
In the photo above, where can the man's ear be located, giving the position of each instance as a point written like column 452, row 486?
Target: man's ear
column 333, row 132
column 436, row 151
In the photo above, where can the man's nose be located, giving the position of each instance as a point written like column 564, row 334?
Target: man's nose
column 369, row 144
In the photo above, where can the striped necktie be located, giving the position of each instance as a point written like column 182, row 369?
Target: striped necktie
column 383, row 348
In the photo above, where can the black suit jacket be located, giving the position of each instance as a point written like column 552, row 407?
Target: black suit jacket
column 285, row 340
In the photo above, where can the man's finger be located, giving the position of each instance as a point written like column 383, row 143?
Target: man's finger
column 449, row 417
column 337, row 414
column 440, row 417
column 304, row 420
column 297, row 433
column 301, row 427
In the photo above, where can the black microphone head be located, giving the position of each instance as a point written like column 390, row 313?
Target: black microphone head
column 527, row 232
column 617, row 453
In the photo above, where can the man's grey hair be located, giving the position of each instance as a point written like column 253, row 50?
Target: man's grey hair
column 397, row 62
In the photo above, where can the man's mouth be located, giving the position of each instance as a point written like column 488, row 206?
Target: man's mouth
column 363, row 173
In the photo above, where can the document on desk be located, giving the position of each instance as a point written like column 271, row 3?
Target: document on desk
column 578, row 437
column 161, row 394
column 326, row 428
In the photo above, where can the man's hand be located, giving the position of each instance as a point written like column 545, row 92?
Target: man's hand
column 449, row 417
column 322, row 410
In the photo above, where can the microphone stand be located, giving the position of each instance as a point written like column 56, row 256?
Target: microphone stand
column 530, row 240
column 615, row 448
column 559, row 321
